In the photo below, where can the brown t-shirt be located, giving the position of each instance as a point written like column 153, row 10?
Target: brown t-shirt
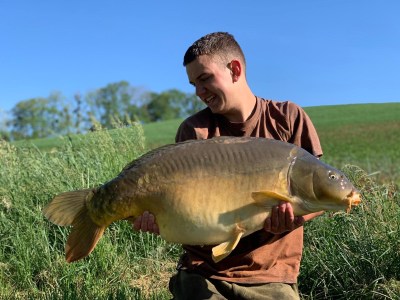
column 262, row 256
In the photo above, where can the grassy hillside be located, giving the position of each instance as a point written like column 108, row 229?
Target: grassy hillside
column 366, row 135
column 346, row 256
column 160, row 133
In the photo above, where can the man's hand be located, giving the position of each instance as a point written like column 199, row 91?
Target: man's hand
column 282, row 219
column 146, row 223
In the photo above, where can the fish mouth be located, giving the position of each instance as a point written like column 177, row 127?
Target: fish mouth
column 352, row 199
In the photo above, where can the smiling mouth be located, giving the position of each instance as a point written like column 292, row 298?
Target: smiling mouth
column 209, row 99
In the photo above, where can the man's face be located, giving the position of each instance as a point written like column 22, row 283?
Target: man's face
column 213, row 82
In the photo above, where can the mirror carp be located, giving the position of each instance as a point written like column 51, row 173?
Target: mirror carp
column 204, row 192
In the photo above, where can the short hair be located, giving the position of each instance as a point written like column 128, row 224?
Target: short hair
column 222, row 44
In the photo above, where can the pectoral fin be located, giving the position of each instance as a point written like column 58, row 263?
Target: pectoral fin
column 223, row 250
column 269, row 199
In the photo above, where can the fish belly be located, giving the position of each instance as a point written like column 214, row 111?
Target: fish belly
column 205, row 229
column 209, row 212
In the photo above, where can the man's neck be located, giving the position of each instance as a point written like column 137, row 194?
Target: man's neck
column 244, row 109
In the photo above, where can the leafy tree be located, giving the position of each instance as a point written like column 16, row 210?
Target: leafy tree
column 4, row 135
column 113, row 101
column 4, row 132
column 60, row 115
column 29, row 120
column 116, row 103
column 172, row 104
column 190, row 105
column 81, row 114
column 163, row 106
column 40, row 117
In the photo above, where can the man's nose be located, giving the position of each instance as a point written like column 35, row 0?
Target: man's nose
column 200, row 90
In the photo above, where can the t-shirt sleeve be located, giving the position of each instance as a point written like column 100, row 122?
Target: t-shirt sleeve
column 185, row 132
column 303, row 131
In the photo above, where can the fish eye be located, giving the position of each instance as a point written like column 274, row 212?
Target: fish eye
column 332, row 176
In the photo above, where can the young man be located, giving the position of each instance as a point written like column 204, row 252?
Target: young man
column 265, row 264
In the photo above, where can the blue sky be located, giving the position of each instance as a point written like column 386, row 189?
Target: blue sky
column 313, row 52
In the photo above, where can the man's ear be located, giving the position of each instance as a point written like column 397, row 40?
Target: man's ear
column 236, row 69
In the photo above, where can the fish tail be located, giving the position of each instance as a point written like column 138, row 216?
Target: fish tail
column 83, row 238
column 70, row 209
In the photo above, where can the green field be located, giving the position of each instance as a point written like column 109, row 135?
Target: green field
column 346, row 256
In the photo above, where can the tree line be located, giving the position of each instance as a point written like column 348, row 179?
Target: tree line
column 115, row 103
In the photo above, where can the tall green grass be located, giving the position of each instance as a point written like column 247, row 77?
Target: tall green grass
column 346, row 256
column 356, row 255
column 125, row 265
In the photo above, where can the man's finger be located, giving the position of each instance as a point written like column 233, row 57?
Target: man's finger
column 267, row 224
column 156, row 230
column 274, row 219
column 282, row 217
column 145, row 221
column 137, row 223
column 289, row 216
